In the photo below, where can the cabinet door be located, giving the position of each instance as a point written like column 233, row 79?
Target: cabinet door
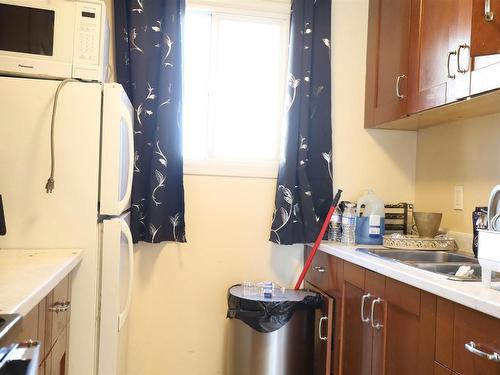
column 458, row 87
column 323, row 337
column 356, row 334
column 387, row 61
column 409, row 330
column 441, row 370
column 58, row 355
column 375, row 286
column 429, row 51
column 57, row 312
column 485, row 31
column 483, row 333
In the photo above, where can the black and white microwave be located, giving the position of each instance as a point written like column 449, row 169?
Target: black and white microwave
column 54, row 39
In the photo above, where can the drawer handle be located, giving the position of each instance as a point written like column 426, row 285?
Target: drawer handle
column 320, row 328
column 459, row 69
column 451, row 53
column 60, row 307
column 488, row 14
column 363, row 300
column 472, row 347
column 375, row 303
column 319, row 269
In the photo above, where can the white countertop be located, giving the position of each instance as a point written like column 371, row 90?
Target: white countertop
column 470, row 294
column 28, row 275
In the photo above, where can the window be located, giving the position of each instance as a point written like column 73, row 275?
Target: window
column 234, row 86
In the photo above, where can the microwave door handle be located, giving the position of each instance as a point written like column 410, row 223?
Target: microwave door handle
column 122, row 318
column 3, row 228
column 125, row 115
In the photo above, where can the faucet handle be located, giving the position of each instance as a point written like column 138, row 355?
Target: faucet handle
column 3, row 229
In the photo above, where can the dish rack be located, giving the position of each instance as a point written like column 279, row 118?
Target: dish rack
column 488, row 254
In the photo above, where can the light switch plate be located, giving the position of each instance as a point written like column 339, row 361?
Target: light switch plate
column 458, row 200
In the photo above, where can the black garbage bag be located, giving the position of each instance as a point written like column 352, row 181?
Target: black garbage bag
column 268, row 315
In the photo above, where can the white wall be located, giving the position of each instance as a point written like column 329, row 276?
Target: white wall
column 177, row 321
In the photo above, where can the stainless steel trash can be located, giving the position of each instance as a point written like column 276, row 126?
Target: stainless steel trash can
column 271, row 336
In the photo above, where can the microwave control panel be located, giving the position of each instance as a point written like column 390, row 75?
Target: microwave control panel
column 87, row 32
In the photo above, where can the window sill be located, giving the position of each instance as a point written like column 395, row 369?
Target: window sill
column 254, row 169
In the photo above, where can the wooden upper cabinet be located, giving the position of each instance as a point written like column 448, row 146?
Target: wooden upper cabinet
column 423, row 54
column 459, row 44
column 387, row 61
column 485, row 47
column 485, row 30
column 430, row 53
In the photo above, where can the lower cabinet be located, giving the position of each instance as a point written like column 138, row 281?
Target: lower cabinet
column 467, row 340
column 372, row 325
column 356, row 334
column 387, row 327
column 48, row 323
column 323, row 335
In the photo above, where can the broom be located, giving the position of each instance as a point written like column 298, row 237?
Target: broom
column 318, row 240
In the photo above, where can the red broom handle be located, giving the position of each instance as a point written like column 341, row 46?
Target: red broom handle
column 318, row 240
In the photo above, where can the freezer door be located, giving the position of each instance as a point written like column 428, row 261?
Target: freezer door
column 116, row 291
column 117, row 151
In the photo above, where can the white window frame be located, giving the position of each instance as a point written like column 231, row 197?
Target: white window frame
column 274, row 10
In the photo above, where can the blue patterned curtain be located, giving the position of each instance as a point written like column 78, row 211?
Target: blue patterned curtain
column 149, row 66
column 305, row 188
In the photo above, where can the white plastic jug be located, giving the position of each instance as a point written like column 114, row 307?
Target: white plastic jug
column 371, row 226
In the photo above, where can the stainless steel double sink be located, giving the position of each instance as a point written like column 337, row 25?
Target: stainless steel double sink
column 440, row 262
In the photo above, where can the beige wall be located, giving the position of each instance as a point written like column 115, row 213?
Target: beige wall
column 379, row 159
column 177, row 321
column 462, row 153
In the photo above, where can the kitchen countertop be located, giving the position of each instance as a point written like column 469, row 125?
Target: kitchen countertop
column 470, row 294
column 28, row 275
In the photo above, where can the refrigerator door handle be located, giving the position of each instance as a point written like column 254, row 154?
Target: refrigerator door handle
column 130, row 137
column 122, row 317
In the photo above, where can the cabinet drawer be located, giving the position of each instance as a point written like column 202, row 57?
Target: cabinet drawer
column 57, row 312
column 484, row 332
column 319, row 274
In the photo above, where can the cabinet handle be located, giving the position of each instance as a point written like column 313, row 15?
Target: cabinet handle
column 363, row 299
column 451, row 53
column 472, row 347
column 374, row 303
column 320, row 328
column 488, row 14
column 461, row 47
column 319, row 269
column 398, row 92
column 59, row 307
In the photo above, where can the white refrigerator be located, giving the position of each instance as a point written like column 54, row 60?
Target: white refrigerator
column 88, row 209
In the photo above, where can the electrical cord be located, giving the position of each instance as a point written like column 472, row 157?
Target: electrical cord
column 49, row 186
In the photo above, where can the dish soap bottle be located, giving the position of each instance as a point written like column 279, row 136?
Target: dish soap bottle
column 370, row 227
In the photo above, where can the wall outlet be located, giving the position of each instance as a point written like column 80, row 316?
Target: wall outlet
column 458, row 200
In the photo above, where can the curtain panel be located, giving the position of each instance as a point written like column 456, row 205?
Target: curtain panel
column 149, row 66
column 304, row 190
